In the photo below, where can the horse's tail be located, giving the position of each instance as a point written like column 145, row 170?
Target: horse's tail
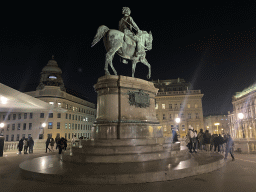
column 102, row 30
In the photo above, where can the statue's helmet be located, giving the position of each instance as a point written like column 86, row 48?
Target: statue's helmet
column 126, row 10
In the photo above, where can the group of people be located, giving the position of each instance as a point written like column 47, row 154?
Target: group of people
column 27, row 144
column 61, row 143
column 205, row 141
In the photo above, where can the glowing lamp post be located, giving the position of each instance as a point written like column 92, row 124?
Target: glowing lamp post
column 1, row 126
column 43, row 125
column 177, row 120
column 217, row 124
column 241, row 116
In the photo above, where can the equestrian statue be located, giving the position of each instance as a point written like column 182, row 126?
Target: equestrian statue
column 125, row 43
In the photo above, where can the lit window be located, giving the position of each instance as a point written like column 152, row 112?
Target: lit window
column 156, row 105
column 196, row 105
column 59, row 104
column 50, row 125
column 163, row 106
column 51, row 103
column 188, row 105
column 52, row 77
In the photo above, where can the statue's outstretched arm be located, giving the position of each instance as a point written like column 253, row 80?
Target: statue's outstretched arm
column 134, row 24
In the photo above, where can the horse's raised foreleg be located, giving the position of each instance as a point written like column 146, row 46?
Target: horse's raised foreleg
column 145, row 62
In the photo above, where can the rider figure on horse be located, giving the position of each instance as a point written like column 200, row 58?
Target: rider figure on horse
column 125, row 25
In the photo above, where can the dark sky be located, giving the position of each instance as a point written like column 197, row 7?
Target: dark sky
column 210, row 45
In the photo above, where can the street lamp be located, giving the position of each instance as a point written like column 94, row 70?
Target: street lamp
column 1, row 126
column 217, row 124
column 177, row 120
column 43, row 125
column 241, row 116
column 174, row 133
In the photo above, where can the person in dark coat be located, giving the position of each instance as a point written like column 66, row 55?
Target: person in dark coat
column 20, row 145
column 200, row 137
column 174, row 135
column 221, row 142
column 30, row 145
column 56, row 141
column 61, row 145
column 216, row 142
column 207, row 140
column 65, row 144
column 48, row 141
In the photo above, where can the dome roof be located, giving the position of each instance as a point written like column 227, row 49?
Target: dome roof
column 52, row 66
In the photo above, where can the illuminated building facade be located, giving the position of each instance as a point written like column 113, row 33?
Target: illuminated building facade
column 243, row 118
column 67, row 115
column 217, row 124
column 175, row 100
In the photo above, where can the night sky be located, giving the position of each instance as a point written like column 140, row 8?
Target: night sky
column 210, row 45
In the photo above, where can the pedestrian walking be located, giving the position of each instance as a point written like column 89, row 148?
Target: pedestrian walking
column 25, row 143
column 48, row 141
column 56, row 141
column 73, row 141
column 207, row 140
column 20, row 146
column 65, row 144
column 52, row 144
column 229, row 147
column 61, row 145
column 30, row 145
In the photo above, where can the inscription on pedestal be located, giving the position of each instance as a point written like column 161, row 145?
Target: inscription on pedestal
column 139, row 99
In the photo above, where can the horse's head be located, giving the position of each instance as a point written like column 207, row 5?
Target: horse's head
column 148, row 40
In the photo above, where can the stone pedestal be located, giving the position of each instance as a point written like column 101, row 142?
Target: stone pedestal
column 126, row 128
column 125, row 109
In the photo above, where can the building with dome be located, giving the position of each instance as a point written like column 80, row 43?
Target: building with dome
column 68, row 115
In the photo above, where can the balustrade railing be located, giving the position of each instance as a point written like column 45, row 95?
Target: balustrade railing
column 179, row 92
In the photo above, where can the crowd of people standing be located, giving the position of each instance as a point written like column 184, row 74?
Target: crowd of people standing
column 26, row 144
column 204, row 141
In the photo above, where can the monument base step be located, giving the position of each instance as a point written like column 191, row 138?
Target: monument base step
column 52, row 169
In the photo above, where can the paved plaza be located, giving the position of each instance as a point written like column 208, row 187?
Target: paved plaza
column 238, row 175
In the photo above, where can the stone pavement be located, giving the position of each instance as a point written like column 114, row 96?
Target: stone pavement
column 236, row 175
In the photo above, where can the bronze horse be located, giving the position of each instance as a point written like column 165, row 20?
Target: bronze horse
column 116, row 41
